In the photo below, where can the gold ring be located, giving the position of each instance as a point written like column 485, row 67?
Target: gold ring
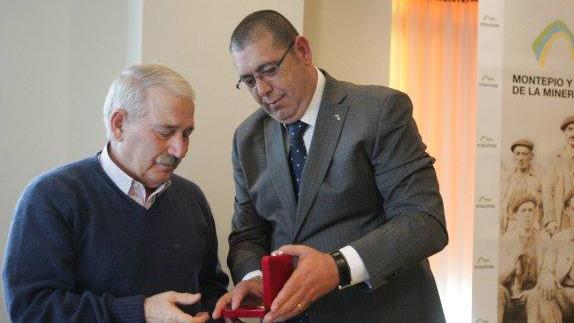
column 300, row 307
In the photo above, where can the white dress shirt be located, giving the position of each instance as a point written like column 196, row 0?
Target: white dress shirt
column 129, row 186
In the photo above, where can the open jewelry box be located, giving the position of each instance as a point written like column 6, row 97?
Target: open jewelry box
column 276, row 271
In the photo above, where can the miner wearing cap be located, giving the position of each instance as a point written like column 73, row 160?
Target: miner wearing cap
column 522, row 250
column 520, row 181
column 559, row 181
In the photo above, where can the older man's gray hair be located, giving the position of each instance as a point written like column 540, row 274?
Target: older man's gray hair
column 129, row 91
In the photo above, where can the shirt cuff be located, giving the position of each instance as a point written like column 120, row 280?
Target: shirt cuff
column 359, row 273
column 253, row 274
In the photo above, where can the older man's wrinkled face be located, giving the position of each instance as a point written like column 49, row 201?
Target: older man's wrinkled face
column 525, row 214
column 153, row 145
column 522, row 156
column 569, row 134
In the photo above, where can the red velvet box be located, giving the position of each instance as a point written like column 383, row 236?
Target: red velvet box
column 276, row 271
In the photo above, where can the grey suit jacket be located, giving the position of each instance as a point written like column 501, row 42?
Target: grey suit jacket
column 367, row 182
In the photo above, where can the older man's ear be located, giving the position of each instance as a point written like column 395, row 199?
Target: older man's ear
column 117, row 122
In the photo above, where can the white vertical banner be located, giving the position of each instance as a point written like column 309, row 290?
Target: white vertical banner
column 489, row 105
column 524, row 229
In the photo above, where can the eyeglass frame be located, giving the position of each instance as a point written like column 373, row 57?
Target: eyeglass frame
column 265, row 70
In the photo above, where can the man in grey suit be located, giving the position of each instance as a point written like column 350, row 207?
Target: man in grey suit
column 356, row 199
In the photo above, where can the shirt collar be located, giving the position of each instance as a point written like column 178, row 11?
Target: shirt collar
column 122, row 180
column 530, row 171
column 310, row 116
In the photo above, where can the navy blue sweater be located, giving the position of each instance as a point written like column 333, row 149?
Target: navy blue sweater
column 80, row 250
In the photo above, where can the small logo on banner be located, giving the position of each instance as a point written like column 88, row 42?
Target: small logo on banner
column 485, row 203
column 483, row 263
column 489, row 21
column 486, row 142
column 542, row 44
column 487, row 81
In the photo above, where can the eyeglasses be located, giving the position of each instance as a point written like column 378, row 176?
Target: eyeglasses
column 264, row 71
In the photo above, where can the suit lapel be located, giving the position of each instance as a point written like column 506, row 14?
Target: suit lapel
column 330, row 120
column 277, row 161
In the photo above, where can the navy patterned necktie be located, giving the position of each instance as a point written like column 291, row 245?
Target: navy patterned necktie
column 297, row 153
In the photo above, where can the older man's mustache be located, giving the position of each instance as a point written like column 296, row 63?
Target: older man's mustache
column 168, row 160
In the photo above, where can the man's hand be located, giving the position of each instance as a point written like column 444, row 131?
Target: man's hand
column 248, row 292
column 547, row 285
column 316, row 274
column 552, row 227
column 161, row 308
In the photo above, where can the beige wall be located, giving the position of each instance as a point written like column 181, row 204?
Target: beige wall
column 350, row 39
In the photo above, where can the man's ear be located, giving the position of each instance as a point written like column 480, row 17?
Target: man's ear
column 303, row 50
column 117, row 122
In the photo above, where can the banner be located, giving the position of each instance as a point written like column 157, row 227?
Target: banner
column 524, row 224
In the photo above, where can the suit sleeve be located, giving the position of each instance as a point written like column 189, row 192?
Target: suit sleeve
column 250, row 234
column 407, row 182
column 39, row 268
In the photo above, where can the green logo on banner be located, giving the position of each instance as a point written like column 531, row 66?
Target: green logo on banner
column 555, row 30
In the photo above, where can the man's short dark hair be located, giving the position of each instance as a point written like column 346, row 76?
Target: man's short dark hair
column 269, row 21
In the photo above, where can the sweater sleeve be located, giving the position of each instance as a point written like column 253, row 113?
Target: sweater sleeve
column 39, row 266
column 213, row 281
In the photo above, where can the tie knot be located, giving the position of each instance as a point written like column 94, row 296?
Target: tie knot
column 296, row 129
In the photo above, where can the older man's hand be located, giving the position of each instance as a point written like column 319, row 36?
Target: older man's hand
column 162, row 308
column 247, row 292
column 316, row 274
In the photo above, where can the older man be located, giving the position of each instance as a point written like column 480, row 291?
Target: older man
column 559, row 181
column 117, row 237
column 337, row 175
column 522, row 180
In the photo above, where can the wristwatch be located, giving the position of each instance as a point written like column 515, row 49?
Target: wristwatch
column 343, row 267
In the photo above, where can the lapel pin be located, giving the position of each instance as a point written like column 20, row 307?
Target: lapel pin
column 337, row 117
